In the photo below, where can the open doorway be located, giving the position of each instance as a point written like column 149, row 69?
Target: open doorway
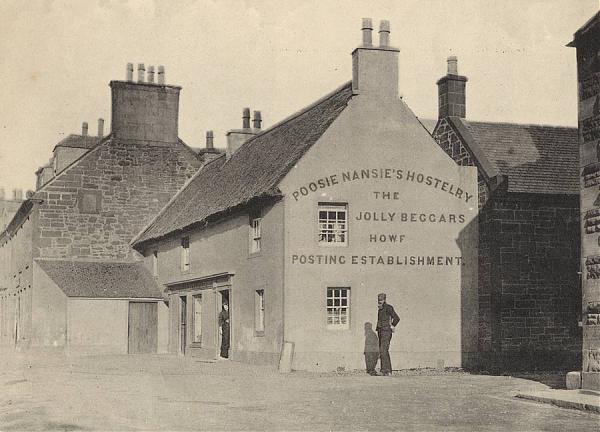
column 224, row 319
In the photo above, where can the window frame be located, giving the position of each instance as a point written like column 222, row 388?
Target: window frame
column 155, row 263
column 255, row 232
column 333, row 306
column 335, row 207
column 185, row 254
column 259, row 312
column 194, row 340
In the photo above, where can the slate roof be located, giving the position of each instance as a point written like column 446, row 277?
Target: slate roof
column 79, row 141
column 102, row 279
column 535, row 158
column 252, row 172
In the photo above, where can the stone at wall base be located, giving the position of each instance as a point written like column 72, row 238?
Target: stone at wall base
column 573, row 380
column 590, row 380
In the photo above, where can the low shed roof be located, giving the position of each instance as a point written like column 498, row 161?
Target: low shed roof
column 101, row 279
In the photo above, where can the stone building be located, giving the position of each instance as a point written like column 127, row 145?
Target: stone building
column 77, row 227
column 9, row 206
column 529, row 296
column 587, row 42
column 300, row 226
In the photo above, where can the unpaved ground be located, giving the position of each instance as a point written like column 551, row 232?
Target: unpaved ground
column 40, row 392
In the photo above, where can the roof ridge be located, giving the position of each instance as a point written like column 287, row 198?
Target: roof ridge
column 520, row 124
column 297, row 113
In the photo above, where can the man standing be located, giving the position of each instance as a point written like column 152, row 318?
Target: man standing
column 387, row 320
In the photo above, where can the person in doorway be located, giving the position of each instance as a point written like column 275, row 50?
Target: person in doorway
column 387, row 320
column 224, row 329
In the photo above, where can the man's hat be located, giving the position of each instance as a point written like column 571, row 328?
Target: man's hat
column 381, row 296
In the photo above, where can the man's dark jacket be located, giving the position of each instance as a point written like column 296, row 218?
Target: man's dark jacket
column 384, row 315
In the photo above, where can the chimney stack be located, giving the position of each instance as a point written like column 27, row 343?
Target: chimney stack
column 145, row 113
column 367, row 30
column 384, row 34
column 209, row 139
column 246, row 118
column 129, row 71
column 2, row 196
column 100, row 127
column 452, row 92
column 257, row 120
column 375, row 69
column 141, row 72
column 237, row 137
column 84, row 129
column 151, row 74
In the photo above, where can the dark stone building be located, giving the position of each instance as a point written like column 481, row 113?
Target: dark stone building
column 98, row 193
column 529, row 295
column 587, row 41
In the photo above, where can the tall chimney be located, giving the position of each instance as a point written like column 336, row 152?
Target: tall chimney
column 2, row 196
column 367, row 30
column 141, row 72
column 129, row 71
column 384, row 34
column 246, row 118
column 161, row 74
column 237, row 137
column 84, row 129
column 100, row 127
column 209, row 139
column 452, row 92
column 151, row 74
column 375, row 69
column 257, row 120
column 145, row 113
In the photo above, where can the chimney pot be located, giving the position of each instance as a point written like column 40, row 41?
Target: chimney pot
column 384, row 33
column 246, row 118
column 84, row 129
column 257, row 120
column 452, row 65
column 161, row 74
column 209, row 139
column 129, row 71
column 151, row 74
column 100, row 127
column 141, row 72
column 367, row 29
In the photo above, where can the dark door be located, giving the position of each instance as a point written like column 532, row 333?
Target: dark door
column 143, row 327
column 183, row 325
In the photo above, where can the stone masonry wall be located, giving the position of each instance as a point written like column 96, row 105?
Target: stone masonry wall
column 529, row 293
column 448, row 140
column 95, row 208
column 535, row 288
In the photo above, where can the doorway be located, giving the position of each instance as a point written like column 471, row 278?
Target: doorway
column 143, row 327
column 224, row 339
column 183, row 323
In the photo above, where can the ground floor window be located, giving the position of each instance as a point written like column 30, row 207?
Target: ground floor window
column 197, row 318
column 338, row 307
column 259, row 312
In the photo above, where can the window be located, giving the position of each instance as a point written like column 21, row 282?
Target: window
column 197, row 318
column 338, row 308
column 155, row 263
column 185, row 254
column 333, row 224
column 259, row 312
column 255, row 221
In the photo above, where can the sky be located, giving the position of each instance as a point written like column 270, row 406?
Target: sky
column 57, row 58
